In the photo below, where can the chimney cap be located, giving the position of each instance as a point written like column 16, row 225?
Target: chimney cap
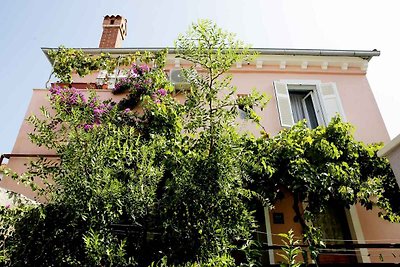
column 108, row 18
column 113, row 16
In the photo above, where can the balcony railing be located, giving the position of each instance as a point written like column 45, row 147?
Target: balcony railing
column 21, row 155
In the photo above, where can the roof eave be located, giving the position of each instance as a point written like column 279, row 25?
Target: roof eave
column 364, row 54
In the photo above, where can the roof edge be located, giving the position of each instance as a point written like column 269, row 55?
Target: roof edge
column 364, row 54
column 389, row 147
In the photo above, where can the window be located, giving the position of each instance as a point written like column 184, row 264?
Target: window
column 242, row 112
column 179, row 81
column 110, row 78
column 305, row 105
column 311, row 100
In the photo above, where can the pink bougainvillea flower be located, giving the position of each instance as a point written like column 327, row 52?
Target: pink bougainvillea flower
column 93, row 102
column 162, row 92
column 88, row 127
column 97, row 111
column 145, row 68
column 68, row 96
column 134, row 69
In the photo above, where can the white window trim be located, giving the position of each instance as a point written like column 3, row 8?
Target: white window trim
column 301, row 82
column 268, row 230
column 316, row 106
column 316, row 100
column 357, row 233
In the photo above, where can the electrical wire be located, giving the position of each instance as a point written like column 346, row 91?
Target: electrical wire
column 341, row 240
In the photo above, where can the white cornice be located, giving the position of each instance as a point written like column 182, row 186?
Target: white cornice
column 304, row 63
column 282, row 64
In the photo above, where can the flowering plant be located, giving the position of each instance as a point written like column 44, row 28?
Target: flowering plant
column 141, row 80
column 68, row 96
column 136, row 79
column 122, row 85
column 67, row 99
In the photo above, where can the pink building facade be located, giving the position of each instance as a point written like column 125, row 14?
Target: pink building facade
column 301, row 83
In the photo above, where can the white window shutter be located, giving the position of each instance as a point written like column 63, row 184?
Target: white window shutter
column 331, row 101
column 101, row 77
column 112, row 78
column 283, row 102
column 122, row 74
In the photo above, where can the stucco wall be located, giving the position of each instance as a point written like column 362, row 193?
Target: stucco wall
column 356, row 96
column 359, row 106
column 394, row 158
column 391, row 150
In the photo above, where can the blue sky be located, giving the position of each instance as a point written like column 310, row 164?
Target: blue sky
column 340, row 24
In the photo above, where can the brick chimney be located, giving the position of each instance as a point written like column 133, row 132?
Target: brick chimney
column 114, row 31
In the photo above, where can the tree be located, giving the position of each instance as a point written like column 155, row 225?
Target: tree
column 149, row 179
column 322, row 166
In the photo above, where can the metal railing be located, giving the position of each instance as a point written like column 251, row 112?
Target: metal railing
column 23, row 155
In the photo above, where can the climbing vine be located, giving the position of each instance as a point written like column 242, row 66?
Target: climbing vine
column 67, row 61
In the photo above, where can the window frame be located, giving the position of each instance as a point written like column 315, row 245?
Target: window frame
column 312, row 91
column 326, row 100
